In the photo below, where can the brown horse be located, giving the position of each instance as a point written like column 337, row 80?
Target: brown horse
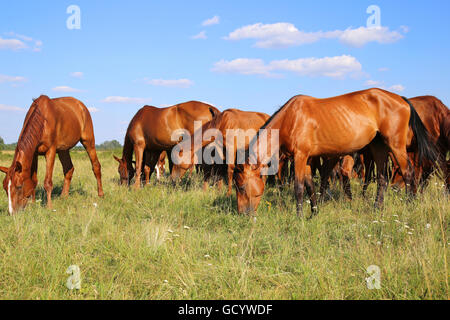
column 51, row 126
column 151, row 130
column 244, row 125
column 160, row 167
column 310, row 127
column 436, row 118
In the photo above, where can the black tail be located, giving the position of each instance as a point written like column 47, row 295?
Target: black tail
column 214, row 111
column 425, row 146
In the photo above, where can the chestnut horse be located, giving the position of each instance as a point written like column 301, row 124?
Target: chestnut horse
column 160, row 168
column 51, row 126
column 310, row 127
column 151, row 130
column 436, row 118
column 246, row 124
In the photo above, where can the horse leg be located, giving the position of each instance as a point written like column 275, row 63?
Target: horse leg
column 325, row 172
column 139, row 149
column 68, row 169
column 406, row 168
column 380, row 155
column 346, row 175
column 89, row 145
column 34, row 169
column 368, row 167
column 151, row 162
column 299, row 182
column 48, row 182
column 310, row 189
column 230, row 170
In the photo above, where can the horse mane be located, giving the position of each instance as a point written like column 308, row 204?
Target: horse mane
column 278, row 111
column 256, row 137
column 32, row 130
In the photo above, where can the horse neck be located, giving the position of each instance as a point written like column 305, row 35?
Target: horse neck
column 29, row 139
column 274, row 124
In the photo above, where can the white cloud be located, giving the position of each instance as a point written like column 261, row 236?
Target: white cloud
column 333, row 67
column 5, row 78
column 201, row 35
column 361, row 36
column 77, row 74
column 19, row 42
column 380, row 84
column 283, row 34
column 93, row 110
column 65, row 89
column 179, row 83
column 11, row 44
column 211, row 21
column 373, row 83
column 242, row 66
column 129, row 100
column 4, row 107
column 397, row 88
column 384, row 69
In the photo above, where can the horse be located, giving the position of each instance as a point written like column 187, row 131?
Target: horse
column 160, row 168
column 436, row 118
column 310, row 127
column 51, row 126
column 150, row 132
column 242, row 124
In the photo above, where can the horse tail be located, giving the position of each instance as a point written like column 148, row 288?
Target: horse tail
column 425, row 146
column 445, row 127
column 214, row 111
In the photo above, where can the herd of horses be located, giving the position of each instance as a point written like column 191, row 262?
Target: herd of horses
column 370, row 131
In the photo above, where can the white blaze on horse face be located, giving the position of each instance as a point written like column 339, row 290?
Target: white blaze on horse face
column 10, row 208
column 157, row 172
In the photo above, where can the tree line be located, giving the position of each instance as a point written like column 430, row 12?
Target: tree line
column 107, row 145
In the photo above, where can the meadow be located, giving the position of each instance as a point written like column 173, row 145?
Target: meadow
column 178, row 242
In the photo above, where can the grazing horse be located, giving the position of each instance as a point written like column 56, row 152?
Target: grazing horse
column 244, row 124
column 150, row 132
column 51, row 126
column 310, row 127
column 436, row 118
column 161, row 165
column 160, row 168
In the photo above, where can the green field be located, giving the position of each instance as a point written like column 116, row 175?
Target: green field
column 165, row 242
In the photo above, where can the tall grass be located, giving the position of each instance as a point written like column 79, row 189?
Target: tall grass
column 165, row 242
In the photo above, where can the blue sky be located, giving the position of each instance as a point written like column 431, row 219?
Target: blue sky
column 252, row 55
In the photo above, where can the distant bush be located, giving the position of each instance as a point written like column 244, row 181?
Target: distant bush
column 5, row 146
column 107, row 145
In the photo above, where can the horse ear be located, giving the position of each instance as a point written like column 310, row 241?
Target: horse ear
column 4, row 169
column 18, row 167
column 117, row 159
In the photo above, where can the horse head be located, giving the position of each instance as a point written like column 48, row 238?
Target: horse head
column 19, row 187
column 126, row 171
column 249, row 187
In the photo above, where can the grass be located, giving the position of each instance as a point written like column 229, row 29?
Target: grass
column 165, row 242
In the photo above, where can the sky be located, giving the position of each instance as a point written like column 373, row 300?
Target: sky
column 250, row 55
